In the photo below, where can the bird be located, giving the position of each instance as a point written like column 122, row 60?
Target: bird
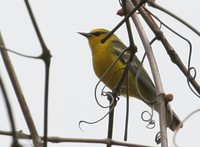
column 109, row 58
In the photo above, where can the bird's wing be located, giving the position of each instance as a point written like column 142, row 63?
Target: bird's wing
column 172, row 119
column 135, row 66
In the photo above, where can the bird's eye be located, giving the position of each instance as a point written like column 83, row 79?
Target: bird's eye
column 97, row 33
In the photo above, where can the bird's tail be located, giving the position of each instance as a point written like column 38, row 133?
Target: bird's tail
column 173, row 120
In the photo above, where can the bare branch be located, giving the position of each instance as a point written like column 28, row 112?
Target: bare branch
column 170, row 50
column 154, row 5
column 20, row 96
column 156, row 75
column 46, row 57
column 54, row 139
column 10, row 113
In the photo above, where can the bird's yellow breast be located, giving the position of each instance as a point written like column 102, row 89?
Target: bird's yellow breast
column 103, row 59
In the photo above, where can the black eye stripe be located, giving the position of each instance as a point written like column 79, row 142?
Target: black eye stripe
column 98, row 33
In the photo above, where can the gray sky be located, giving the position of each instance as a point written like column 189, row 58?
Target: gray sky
column 72, row 79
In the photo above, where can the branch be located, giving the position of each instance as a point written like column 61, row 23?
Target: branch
column 54, row 139
column 46, row 57
column 170, row 50
column 15, row 142
column 19, row 94
column 154, row 5
column 111, row 116
column 123, row 20
column 156, row 75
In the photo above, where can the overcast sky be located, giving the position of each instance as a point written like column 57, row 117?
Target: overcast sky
column 72, row 79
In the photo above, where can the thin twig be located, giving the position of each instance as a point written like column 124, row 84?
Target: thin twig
column 111, row 119
column 127, row 109
column 20, row 96
column 46, row 57
column 18, row 53
column 133, row 50
column 123, row 20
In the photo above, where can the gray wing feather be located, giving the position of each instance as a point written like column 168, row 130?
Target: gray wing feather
column 172, row 119
column 143, row 78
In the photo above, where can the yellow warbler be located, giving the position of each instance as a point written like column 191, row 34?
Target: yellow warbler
column 104, row 56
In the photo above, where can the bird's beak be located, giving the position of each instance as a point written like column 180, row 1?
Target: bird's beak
column 87, row 35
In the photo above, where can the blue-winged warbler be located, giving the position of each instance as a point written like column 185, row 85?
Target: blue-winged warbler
column 140, row 86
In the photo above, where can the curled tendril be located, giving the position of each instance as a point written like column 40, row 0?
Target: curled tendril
column 103, row 76
column 151, row 122
column 103, row 93
column 112, row 106
column 158, row 138
column 195, row 73
column 189, row 78
column 115, row 73
column 113, row 100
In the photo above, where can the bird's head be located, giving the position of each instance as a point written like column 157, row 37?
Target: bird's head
column 95, row 37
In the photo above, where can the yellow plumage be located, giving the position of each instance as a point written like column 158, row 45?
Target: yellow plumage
column 105, row 54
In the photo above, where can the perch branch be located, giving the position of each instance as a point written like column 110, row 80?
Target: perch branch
column 156, row 75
